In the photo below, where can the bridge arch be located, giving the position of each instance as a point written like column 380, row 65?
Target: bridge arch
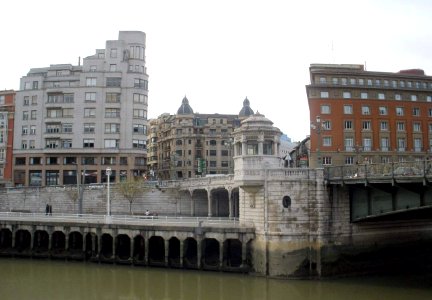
column 40, row 243
column 190, row 250
column 58, row 244
column 139, row 250
column 174, row 256
column 23, row 241
column 156, row 254
column 123, row 247
column 211, row 253
column 106, row 251
column 5, row 240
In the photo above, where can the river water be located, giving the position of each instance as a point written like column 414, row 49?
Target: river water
column 43, row 279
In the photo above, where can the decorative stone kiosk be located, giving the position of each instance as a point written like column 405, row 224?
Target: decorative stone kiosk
column 280, row 202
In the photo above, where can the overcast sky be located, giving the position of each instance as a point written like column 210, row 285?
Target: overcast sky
column 219, row 52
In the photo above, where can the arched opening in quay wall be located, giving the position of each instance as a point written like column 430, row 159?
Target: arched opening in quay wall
column 5, row 241
column 193, row 252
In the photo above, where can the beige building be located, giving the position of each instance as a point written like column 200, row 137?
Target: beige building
column 188, row 144
column 84, row 119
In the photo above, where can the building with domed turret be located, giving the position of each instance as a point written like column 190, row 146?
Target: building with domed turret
column 188, row 144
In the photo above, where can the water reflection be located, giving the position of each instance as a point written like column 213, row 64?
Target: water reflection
column 40, row 279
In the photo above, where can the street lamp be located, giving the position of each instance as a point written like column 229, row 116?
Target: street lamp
column 108, row 174
column 318, row 126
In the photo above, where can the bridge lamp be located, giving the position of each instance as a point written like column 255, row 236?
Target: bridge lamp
column 108, row 174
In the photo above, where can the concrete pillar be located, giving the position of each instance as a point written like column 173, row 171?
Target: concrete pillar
column 66, row 241
column 99, row 245
column 13, row 238
column 199, row 241
column 113, row 247
column 84, row 242
column 146, row 250
column 230, row 204
column 49, row 240
column 31, row 239
column 209, row 201
column 166, row 244
column 192, row 203
column 181, row 253
column 132, row 247
column 220, row 254
column 244, row 148
column 244, row 247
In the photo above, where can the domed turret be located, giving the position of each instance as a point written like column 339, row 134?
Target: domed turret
column 246, row 111
column 185, row 108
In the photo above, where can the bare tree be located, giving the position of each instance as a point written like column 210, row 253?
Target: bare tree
column 73, row 195
column 129, row 189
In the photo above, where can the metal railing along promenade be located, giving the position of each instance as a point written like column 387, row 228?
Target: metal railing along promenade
column 144, row 220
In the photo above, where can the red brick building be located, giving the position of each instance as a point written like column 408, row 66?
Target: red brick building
column 7, row 108
column 360, row 116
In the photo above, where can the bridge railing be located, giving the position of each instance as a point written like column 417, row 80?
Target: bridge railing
column 126, row 219
column 384, row 170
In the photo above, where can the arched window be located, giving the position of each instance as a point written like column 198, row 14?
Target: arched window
column 268, row 148
column 286, row 201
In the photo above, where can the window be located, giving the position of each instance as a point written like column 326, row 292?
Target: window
column 348, row 125
column 348, row 110
column 324, row 94
column 67, row 112
column 212, row 153
column 383, row 125
column 89, row 112
column 67, row 143
column 383, row 110
column 327, row 141
column 413, row 97
column 416, row 127
column 139, row 113
column 430, row 112
column 429, row 98
column 34, row 100
column 113, row 53
column 377, row 82
column 399, row 111
column 139, row 128
column 366, row 125
column 24, row 144
column 346, row 95
column 398, row 97
column 325, row 109
column 93, row 68
column 386, row 83
column 24, row 130
column 384, row 144
column 52, row 143
column 89, row 127
column 349, row 144
column 88, row 143
column 394, row 83
column 113, row 67
column 54, row 113
column 52, row 128
column 140, row 144
column 25, row 115
column 416, row 111
column 67, row 128
column 112, row 112
column 369, row 82
column 326, row 160
column 112, row 128
column 90, row 97
column 112, row 97
column 367, row 144
column 365, row 110
column 91, row 81
column 352, row 81
column 381, row 96
column 212, row 143
column 111, row 143
column 326, row 125
column 113, row 82
column 335, row 80
column 68, row 98
column 140, row 98
column 323, row 80
column 136, row 52
column 33, row 129
column 400, row 126
column 140, row 83
column 108, row 160
column 401, row 144
column 409, row 84
column 26, row 100
column 349, row 160
column 361, row 81
column 418, row 145
column 402, row 84
column 363, row 95
column 344, row 81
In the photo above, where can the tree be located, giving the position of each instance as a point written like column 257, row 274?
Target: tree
column 129, row 189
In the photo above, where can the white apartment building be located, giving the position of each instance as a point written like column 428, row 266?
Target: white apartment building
column 81, row 120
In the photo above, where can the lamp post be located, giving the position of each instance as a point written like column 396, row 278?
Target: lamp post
column 108, row 174
column 318, row 126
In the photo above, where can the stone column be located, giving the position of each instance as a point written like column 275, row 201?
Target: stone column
column 99, row 245
column 13, row 238
column 84, row 242
column 244, row 248
column 221, row 255
column 260, row 144
column 113, row 247
column 244, row 147
column 181, row 253
column 166, row 251
column 66, row 241
column 230, row 204
column 209, row 201
column 49, row 240
column 132, row 247
column 146, row 251
column 199, row 241
column 32, row 233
